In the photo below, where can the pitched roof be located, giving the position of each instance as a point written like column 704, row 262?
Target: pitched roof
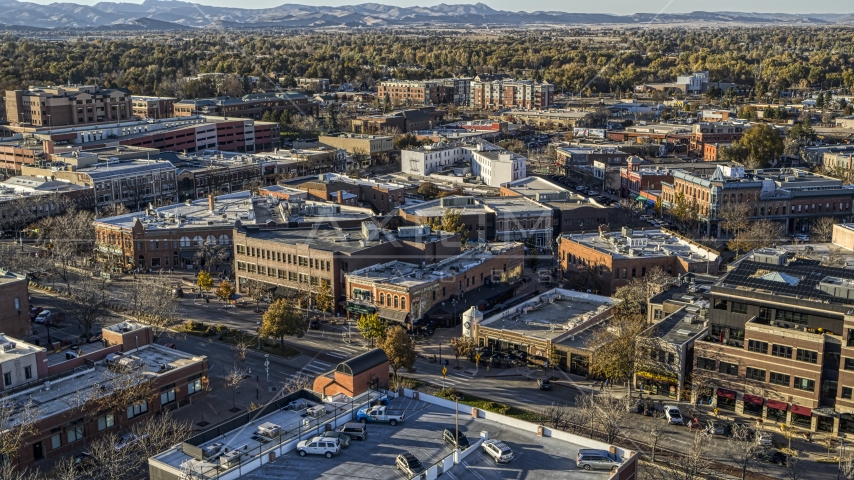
column 362, row 363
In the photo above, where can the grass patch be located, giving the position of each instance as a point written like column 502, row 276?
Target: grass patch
column 490, row 406
column 234, row 337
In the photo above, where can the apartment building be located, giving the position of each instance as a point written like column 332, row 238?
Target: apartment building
column 404, row 292
column 779, row 342
column 248, row 106
column 153, row 107
column 489, row 93
column 174, row 379
column 298, row 262
column 412, row 92
column 793, row 197
column 59, row 106
column 614, row 259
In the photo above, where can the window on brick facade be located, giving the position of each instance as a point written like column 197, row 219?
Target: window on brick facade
column 779, row 379
column 805, row 384
column 807, row 356
column 781, row 351
column 755, row 374
column 757, row 346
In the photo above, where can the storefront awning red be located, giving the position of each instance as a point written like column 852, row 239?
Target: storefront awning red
column 776, row 404
column 753, row 399
column 807, row 412
column 722, row 392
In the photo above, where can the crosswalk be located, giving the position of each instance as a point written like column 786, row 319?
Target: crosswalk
column 345, row 351
column 316, row 367
column 454, row 378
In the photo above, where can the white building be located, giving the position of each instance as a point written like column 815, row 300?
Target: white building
column 494, row 165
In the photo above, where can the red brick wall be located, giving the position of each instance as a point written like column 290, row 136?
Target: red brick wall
column 15, row 319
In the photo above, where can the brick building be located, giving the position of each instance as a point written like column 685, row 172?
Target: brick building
column 14, row 305
column 248, row 106
column 297, row 262
column 404, row 292
column 355, row 376
column 412, row 92
column 613, row 259
column 495, row 93
column 374, row 146
column 382, row 197
column 171, row 237
column 780, row 345
column 793, row 197
column 153, row 107
column 173, row 379
column 704, row 133
column 67, row 105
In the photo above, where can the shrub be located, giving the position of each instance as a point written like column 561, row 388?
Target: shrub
column 193, row 325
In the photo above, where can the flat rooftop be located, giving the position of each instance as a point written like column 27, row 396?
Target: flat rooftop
column 61, row 394
column 679, row 327
column 551, row 315
column 435, row 208
column 12, row 348
column 546, row 458
column 515, row 205
column 9, row 277
column 335, row 239
column 642, row 243
column 183, row 216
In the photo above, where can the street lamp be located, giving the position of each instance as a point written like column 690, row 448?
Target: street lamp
column 258, row 331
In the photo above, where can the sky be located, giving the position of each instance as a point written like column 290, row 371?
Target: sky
column 620, row 7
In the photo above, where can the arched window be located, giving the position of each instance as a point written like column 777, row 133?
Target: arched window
column 403, row 303
column 395, row 301
column 197, row 241
column 185, row 241
column 210, row 240
column 382, row 298
column 223, row 239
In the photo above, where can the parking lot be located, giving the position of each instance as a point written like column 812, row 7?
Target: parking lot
column 421, row 435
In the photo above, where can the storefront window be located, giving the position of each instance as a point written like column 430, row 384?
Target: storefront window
column 776, row 414
column 801, row 420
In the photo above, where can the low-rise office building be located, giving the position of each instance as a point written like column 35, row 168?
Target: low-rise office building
column 779, row 345
column 153, row 107
column 482, row 161
column 58, row 106
column 374, row 146
column 300, row 262
column 405, row 292
column 383, row 197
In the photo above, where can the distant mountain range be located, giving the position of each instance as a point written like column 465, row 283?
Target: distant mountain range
column 168, row 15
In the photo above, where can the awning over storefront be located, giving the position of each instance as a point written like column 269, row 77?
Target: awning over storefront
column 359, row 308
column 753, row 399
column 776, row 404
column 722, row 392
column 807, row 412
column 641, row 198
column 393, row 315
column 650, row 203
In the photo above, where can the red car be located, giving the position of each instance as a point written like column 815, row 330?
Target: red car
column 34, row 312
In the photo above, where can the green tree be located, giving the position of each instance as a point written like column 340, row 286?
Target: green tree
column 758, row 146
column 282, row 320
column 204, row 281
column 428, row 190
column 371, row 327
column 399, row 348
column 332, row 119
column 685, row 210
column 323, row 300
column 451, row 221
column 462, row 347
column 224, row 291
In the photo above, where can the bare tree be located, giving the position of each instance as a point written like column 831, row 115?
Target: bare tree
column 233, row 379
column 606, row 412
column 834, row 258
column 69, row 238
column 558, row 416
column 655, row 432
column 157, row 433
column 256, row 290
column 211, row 255
column 153, row 304
column 113, row 463
column 822, row 229
column 734, row 217
column 18, row 417
column 796, row 469
column 741, row 451
column 89, row 300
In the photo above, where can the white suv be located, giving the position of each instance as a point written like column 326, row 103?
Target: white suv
column 500, row 452
column 319, row 446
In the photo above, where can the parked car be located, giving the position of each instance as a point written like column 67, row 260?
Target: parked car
column 544, row 384
column 34, row 312
column 357, row 430
column 177, row 292
column 715, row 428
column 802, row 237
column 344, row 439
column 314, row 325
column 379, row 414
column 773, row 456
column 592, row 193
column 408, row 464
column 499, row 452
column 763, row 438
column 327, row 446
column 673, row 415
column 42, row 316
column 593, row 459
column 454, row 436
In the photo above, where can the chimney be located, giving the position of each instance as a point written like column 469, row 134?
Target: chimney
column 211, row 202
column 341, row 197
